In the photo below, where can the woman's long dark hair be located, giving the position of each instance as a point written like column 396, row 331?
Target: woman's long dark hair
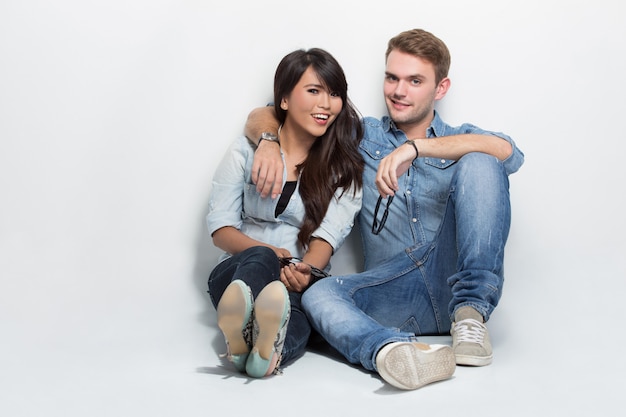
column 334, row 160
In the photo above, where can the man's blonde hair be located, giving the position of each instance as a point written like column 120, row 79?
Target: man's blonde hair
column 425, row 45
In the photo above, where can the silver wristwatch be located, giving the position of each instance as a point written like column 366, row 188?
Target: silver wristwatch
column 269, row 136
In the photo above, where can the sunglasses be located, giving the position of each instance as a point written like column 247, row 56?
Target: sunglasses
column 377, row 227
column 316, row 273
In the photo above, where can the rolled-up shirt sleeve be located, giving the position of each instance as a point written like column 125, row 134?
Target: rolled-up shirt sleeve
column 514, row 161
column 226, row 197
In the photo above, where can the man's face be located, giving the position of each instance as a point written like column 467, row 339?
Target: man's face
column 410, row 90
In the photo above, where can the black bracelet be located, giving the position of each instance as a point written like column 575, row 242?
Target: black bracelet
column 412, row 143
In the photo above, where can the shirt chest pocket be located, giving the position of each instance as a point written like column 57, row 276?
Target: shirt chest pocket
column 436, row 175
column 375, row 150
column 439, row 162
column 264, row 209
column 255, row 207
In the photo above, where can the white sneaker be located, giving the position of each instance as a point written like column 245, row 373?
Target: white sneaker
column 471, row 344
column 411, row 365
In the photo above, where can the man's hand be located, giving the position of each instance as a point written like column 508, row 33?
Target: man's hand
column 391, row 167
column 267, row 169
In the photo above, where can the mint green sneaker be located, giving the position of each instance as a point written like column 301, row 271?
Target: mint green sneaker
column 271, row 316
column 411, row 365
column 234, row 318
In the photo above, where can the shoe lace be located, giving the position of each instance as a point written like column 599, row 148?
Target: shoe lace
column 470, row 330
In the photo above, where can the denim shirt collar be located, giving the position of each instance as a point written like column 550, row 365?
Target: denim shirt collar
column 436, row 129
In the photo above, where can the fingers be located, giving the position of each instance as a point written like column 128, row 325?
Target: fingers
column 277, row 187
column 386, row 178
column 293, row 279
column 390, row 168
column 256, row 168
column 268, row 179
column 267, row 170
column 284, row 279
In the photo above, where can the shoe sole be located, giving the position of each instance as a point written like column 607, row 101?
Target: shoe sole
column 232, row 317
column 407, row 366
column 269, row 312
column 469, row 360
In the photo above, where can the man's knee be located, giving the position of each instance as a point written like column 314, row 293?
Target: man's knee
column 481, row 170
column 478, row 159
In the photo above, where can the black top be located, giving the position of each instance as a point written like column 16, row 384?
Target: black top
column 288, row 189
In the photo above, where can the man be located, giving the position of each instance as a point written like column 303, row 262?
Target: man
column 433, row 228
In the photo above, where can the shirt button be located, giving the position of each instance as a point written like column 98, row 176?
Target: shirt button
column 377, row 152
column 443, row 161
column 414, row 220
column 408, row 192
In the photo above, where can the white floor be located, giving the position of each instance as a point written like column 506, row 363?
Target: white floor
column 130, row 357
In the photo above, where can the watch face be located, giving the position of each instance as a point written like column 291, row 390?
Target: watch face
column 269, row 136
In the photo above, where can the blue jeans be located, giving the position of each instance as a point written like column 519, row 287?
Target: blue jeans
column 416, row 292
column 257, row 267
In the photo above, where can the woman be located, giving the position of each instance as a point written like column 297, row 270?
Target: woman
column 258, row 311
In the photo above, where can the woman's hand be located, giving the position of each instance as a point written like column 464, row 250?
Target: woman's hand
column 296, row 276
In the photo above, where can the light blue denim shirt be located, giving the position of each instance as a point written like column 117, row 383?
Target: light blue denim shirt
column 235, row 202
column 418, row 206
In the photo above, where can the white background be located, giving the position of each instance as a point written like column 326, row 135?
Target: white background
column 113, row 115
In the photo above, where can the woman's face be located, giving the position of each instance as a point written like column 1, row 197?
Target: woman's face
column 310, row 106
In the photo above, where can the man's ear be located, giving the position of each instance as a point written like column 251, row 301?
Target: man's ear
column 442, row 88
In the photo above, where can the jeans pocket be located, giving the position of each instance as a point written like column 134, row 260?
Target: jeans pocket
column 410, row 326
